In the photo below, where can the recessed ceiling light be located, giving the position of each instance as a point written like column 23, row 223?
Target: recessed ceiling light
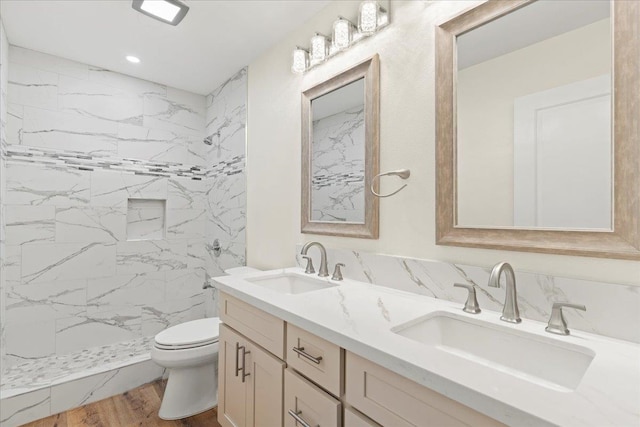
column 133, row 59
column 169, row 11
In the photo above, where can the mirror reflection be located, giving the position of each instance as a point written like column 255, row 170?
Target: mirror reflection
column 338, row 155
column 534, row 119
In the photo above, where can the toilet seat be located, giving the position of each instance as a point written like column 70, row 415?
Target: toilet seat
column 193, row 334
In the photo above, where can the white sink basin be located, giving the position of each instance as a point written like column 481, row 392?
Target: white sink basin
column 545, row 361
column 289, row 283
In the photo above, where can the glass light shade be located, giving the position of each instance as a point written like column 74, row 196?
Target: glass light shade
column 319, row 48
column 342, row 33
column 300, row 60
column 370, row 12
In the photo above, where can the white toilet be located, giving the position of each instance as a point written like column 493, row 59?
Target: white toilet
column 190, row 352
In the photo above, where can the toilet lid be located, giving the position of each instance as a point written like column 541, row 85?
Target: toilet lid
column 190, row 334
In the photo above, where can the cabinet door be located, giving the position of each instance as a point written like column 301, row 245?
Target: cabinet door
column 266, row 387
column 233, row 396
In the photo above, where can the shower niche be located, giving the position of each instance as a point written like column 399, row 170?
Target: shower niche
column 146, row 219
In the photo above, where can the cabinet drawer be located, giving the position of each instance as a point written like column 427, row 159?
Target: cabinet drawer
column 309, row 403
column 260, row 327
column 317, row 359
column 353, row 418
column 393, row 400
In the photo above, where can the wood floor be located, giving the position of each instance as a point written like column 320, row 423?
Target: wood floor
column 137, row 407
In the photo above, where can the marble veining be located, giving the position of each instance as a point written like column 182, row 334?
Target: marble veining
column 146, row 219
column 364, row 320
column 78, row 142
column 225, row 118
column 337, row 182
column 536, row 292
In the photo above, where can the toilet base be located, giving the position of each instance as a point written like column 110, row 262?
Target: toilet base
column 189, row 391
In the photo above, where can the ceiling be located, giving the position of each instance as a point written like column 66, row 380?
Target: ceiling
column 215, row 39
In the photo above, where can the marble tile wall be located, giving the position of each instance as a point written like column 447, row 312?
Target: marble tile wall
column 81, row 142
column 613, row 310
column 64, row 105
column 338, row 167
column 225, row 185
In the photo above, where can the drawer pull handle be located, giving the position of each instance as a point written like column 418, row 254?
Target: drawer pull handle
column 301, row 352
column 238, row 368
column 296, row 416
column 244, row 363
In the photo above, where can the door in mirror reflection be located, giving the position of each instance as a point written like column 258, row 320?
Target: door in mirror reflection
column 338, row 155
column 534, row 119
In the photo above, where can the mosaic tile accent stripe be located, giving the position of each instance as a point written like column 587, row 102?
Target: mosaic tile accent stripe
column 81, row 161
column 233, row 166
column 326, row 180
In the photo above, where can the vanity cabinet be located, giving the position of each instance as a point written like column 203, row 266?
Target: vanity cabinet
column 250, row 390
column 273, row 373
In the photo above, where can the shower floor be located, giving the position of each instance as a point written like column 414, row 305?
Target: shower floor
column 39, row 388
column 52, row 370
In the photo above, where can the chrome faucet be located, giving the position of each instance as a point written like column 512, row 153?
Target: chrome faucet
column 324, row 271
column 510, row 311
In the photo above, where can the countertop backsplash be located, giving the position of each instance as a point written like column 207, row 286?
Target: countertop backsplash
column 613, row 310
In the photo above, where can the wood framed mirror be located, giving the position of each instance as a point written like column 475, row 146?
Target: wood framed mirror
column 340, row 153
column 529, row 156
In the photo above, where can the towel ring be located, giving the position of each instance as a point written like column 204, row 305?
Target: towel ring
column 402, row 173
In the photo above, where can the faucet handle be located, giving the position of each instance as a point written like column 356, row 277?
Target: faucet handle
column 471, row 306
column 337, row 273
column 309, row 269
column 557, row 323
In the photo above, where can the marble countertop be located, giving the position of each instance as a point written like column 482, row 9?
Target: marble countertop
column 359, row 317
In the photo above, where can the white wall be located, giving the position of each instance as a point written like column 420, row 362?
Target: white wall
column 407, row 126
column 4, row 75
column 485, row 113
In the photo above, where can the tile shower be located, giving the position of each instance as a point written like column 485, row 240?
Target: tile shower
column 114, row 190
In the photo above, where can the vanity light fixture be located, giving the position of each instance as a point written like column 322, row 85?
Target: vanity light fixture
column 132, row 59
column 372, row 17
column 167, row 11
column 342, row 33
column 300, row 60
column 319, row 48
